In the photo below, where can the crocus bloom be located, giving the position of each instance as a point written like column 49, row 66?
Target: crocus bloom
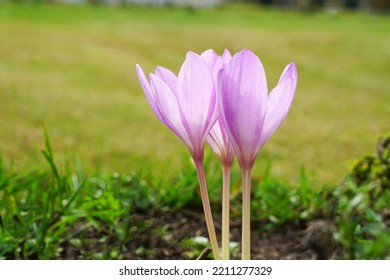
column 218, row 138
column 187, row 105
column 251, row 116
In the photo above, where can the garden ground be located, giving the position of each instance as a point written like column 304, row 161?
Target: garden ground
column 46, row 214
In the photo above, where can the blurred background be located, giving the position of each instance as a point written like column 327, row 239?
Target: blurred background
column 69, row 65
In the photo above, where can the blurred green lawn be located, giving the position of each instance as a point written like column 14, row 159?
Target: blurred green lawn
column 72, row 68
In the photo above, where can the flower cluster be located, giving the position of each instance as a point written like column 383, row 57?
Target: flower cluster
column 223, row 100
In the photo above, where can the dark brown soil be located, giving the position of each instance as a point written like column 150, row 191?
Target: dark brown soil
column 166, row 236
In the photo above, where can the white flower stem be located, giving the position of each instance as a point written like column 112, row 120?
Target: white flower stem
column 246, row 207
column 225, row 211
column 207, row 208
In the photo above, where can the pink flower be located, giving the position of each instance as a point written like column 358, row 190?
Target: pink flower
column 185, row 104
column 241, row 119
column 249, row 115
column 218, row 138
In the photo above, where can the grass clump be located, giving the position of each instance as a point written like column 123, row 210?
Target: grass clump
column 47, row 214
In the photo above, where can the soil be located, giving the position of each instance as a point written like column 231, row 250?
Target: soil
column 167, row 236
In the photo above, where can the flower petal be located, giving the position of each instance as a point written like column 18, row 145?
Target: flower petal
column 244, row 101
column 226, row 57
column 219, row 142
column 196, row 98
column 213, row 61
column 279, row 102
column 210, row 57
column 168, row 77
column 166, row 103
column 148, row 92
column 215, row 139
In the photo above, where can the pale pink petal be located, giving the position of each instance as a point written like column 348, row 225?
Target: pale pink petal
column 215, row 139
column 219, row 142
column 150, row 97
column 167, row 105
column 213, row 61
column 279, row 102
column 226, row 57
column 168, row 77
column 210, row 57
column 196, row 98
column 215, row 70
column 244, row 101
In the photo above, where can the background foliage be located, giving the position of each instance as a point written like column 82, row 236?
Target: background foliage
column 73, row 69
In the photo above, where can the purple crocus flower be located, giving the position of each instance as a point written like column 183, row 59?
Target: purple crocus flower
column 187, row 105
column 218, row 138
column 251, row 116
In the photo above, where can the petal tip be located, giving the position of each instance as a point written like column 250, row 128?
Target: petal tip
column 227, row 52
column 247, row 52
column 293, row 65
column 293, row 70
column 191, row 55
column 290, row 71
column 138, row 68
